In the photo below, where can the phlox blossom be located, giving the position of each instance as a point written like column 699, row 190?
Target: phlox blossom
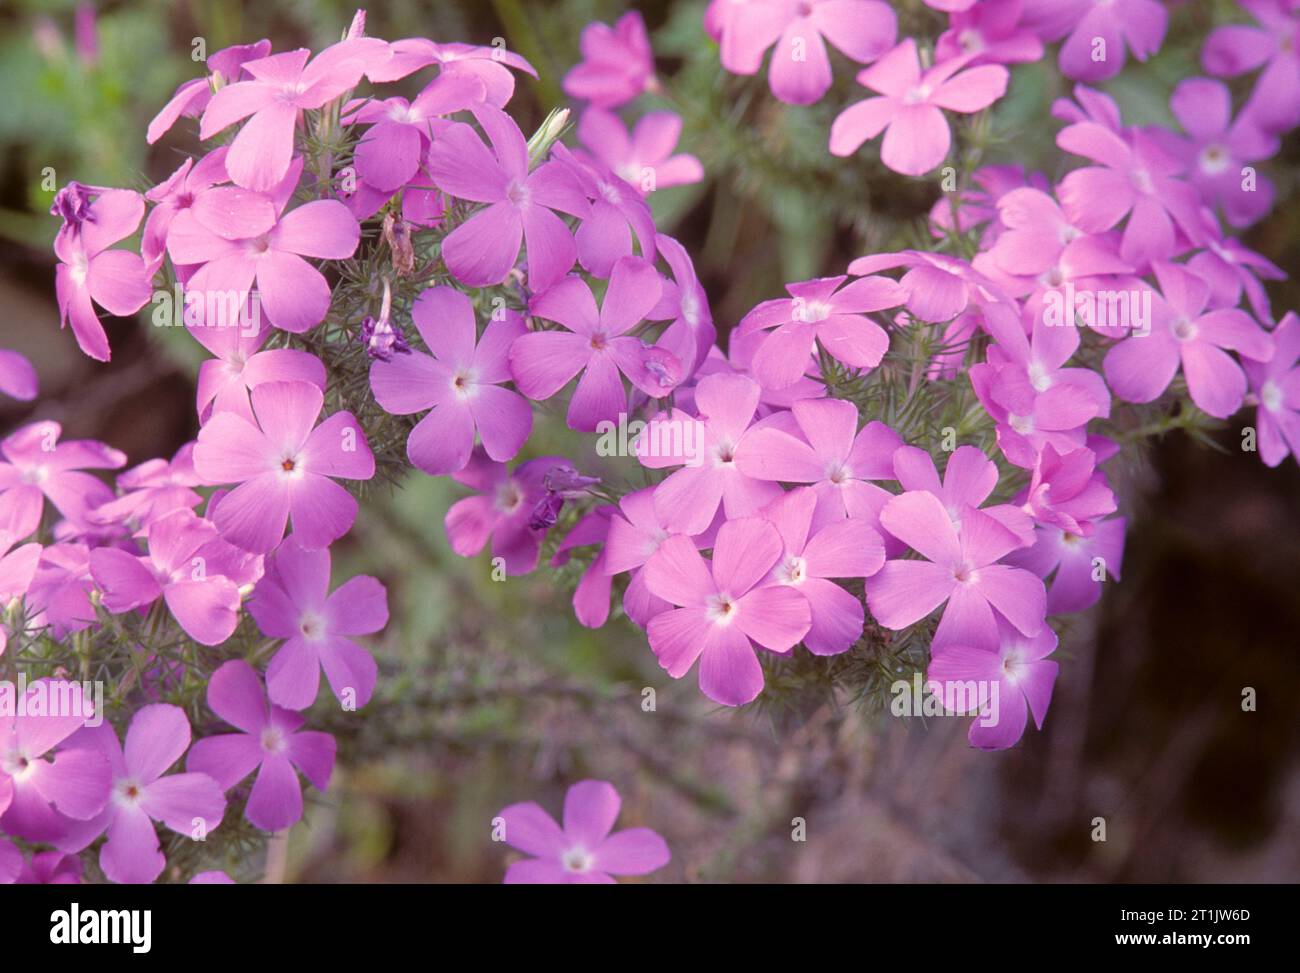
column 724, row 609
column 270, row 741
column 284, row 468
column 460, row 380
column 583, row 851
column 293, row 602
column 908, row 109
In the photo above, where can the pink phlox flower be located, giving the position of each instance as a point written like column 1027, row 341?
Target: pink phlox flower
column 597, row 343
column 827, row 313
column 284, row 464
column 1026, row 375
column 293, row 293
column 231, row 212
column 617, row 63
column 36, row 467
column 520, row 204
column 583, row 851
column 708, row 450
column 60, row 592
column 189, row 566
column 293, row 602
column 44, row 786
column 1216, row 148
column 800, row 70
column 1097, row 35
column 1077, row 564
column 635, row 532
column 1135, row 178
column 1228, row 267
column 969, row 478
column 1186, row 333
column 1274, row 45
column 270, row 741
column 618, row 212
column 848, row 548
column 90, row 273
column 1041, row 249
column 1275, row 385
column 143, row 792
column 240, row 364
column 917, row 136
column 491, row 66
column 724, row 609
column 192, row 97
column 500, row 511
column 977, row 205
column 389, row 154
column 1000, row 687
column 278, row 89
column 151, row 490
column 460, row 381
column 938, row 287
column 828, row 451
column 961, row 571
column 1068, row 491
column 645, row 159
column 990, row 32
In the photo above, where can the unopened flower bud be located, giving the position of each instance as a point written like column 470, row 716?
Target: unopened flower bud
column 547, row 135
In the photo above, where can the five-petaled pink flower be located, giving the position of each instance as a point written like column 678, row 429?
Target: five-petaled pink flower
column 908, row 112
column 824, row 313
column 189, row 566
column 582, row 851
column 270, row 740
column 597, row 344
column 294, row 294
column 483, row 249
column 278, row 89
column 293, row 602
column 460, row 381
column 283, row 467
column 800, row 72
column 1008, row 683
column 1184, row 331
column 617, row 63
column 724, row 608
column 962, row 569
column 89, row 272
column 190, row 804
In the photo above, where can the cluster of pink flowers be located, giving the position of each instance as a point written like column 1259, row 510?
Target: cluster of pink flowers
column 773, row 500
column 779, row 493
column 243, row 229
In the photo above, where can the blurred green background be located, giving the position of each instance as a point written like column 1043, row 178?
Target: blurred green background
column 492, row 694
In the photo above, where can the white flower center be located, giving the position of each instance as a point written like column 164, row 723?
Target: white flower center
column 721, row 609
column 577, row 860
column 312, row 626
column 1185, row 330
column 273, row 740
column 1270, row 396
column 794, row 572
